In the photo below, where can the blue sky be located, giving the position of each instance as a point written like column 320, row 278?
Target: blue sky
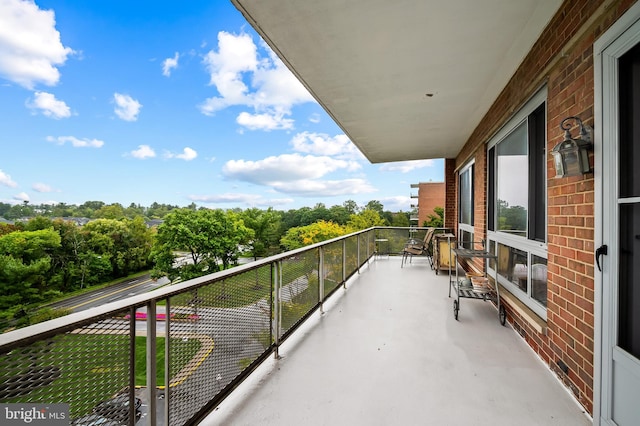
column 169, row 102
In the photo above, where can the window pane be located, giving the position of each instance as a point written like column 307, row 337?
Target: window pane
column 629, row 279
column 492, row 249
column 513, row 265
column 466, row 239
column 513, row 182
column 537, row 175
column 466, row 199
column 539, row 279
column 491, row 190
column 629, row 123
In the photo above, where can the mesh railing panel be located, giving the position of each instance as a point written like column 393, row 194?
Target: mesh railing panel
column 87, row 368
column 351, row 246
column 299, row 292
column 371, row 242
column 216, row 332
column 397, row 238
column 365, row 250
column 332, row 266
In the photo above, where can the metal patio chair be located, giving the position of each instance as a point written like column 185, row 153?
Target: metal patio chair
column 418, row 248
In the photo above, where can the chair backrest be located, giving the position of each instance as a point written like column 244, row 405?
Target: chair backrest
column 428, row 236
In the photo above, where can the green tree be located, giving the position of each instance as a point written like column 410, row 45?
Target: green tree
column 351, row 206
column 310, row 234
column 265, row 225
column 211, row 239
column 37, row 223
column 63, row 210
column 25, row 262
column 375, row 205
column 399, row 219
column 158, row 211
column 18, row 211
column 134, row 210
column 365, row 219
column 4, row 208
column 111, row 211
column 126, row 244
column 339, row 214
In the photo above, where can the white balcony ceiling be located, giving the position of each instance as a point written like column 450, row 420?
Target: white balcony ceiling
column 371, row 64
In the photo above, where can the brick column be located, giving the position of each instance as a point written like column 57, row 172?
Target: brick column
column 451, row 194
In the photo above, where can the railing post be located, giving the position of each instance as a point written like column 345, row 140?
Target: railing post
column 344, row 263
column 167, row 360
column 151, row 363
column 132, row 363
column 358, row 252
column 277, row 277
column 321, row 279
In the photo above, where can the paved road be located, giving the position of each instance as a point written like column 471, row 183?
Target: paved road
column 122, row 290
column 119, row 291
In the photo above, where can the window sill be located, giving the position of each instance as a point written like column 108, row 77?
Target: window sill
column 537, row 323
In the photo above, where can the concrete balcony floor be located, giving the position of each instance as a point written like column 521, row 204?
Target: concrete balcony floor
column 388, row 351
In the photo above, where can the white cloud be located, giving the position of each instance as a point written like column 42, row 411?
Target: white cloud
column 23, row 196
column 272, row 202
column 299, row 175
column 188, row 154
column 397, row 203
column 143, row 151
column 169, row 64
column 326, row 188
column 322, row 144
column 406, row 166
column 41, row 187
column 6, row 180
column 126, row 108
column 226, row 198
column 75, row 142
column 314, row 118
column 30, row 46
column 237, row 198
column 273, row 89
column 282, row 168
column 49, row 105
column 264, row 121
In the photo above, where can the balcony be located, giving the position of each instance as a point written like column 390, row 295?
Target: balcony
column 359, row 340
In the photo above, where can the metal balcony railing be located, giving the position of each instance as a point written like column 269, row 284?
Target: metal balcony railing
column 197, row 339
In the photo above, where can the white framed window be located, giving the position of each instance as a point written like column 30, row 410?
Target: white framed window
column 466, row 205
column 516, row 204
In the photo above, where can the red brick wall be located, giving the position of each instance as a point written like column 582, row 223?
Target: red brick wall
column 450, row 209
column 563, row 60
column 430, row 195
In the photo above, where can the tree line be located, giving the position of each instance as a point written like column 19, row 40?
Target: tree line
column 47, row 256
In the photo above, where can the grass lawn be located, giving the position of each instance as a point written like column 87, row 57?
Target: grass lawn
column 81, row 369
column 186, row 349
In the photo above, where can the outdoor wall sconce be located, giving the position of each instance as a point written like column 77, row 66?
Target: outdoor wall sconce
column 571, row 156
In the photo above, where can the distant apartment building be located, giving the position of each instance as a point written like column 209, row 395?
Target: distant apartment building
column 429, row 196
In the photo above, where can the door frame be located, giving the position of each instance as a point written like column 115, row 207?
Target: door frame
column 606, row 51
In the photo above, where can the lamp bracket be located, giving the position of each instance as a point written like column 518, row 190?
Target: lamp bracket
column 585, row 130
